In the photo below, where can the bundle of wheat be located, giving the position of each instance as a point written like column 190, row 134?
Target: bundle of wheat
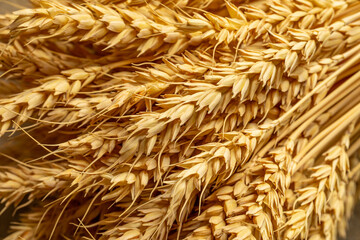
column 177, row 119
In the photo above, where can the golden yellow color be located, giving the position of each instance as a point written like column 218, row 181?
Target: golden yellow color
column 180, row 119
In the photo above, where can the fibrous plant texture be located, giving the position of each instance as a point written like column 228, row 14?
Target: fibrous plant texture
column 179, row 119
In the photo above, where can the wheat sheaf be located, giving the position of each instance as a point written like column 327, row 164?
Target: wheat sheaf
column 180, row 119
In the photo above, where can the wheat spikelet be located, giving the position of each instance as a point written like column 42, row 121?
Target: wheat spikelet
column 180, row 119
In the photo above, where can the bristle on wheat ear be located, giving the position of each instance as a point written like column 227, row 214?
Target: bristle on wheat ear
column 216, row 119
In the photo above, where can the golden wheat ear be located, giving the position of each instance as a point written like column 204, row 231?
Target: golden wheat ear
column 176, row 119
